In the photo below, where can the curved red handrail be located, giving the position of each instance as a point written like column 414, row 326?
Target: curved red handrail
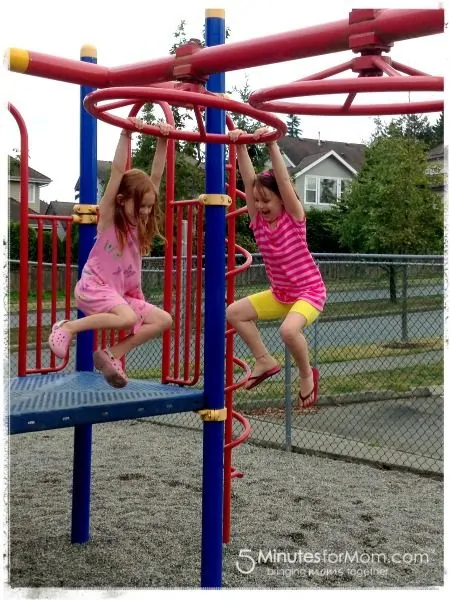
column 183, row 97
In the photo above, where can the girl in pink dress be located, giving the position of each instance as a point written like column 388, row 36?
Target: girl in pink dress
column 109, row 291
column 297, row 292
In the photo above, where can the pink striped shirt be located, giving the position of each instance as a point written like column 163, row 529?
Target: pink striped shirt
column 292, row 272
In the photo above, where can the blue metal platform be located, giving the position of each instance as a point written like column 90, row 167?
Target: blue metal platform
column 40, row 402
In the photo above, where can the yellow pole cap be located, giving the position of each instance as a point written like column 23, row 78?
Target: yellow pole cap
column 215, row 12
column 88, row 51
column 19, row 60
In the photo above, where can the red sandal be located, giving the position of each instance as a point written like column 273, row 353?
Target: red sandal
column 255, row 380
column 311, row 398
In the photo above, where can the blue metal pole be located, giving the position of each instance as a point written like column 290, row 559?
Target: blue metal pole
column 213, row 432
column 82, row 453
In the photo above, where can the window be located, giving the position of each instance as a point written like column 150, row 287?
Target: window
column 31, row 195
column 345, row 184
column 311, row 190
column 324, row 190
column 328, row 190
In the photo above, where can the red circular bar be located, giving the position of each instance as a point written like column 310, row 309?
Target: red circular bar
column 186, row 99
column 270, row 98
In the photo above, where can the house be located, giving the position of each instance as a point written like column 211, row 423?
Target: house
column 321, row 169
column 103, row 171
column 62, row 209
column 36, row 181
column 437, row 157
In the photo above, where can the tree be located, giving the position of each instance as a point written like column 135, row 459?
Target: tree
column 438, row 131
column 417, row 127
column 294, row 126
column 321, row 233
column 391, row 207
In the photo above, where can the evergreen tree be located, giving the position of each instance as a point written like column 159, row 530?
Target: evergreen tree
column 294, row 126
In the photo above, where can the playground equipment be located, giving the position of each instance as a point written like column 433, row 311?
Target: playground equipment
column 43, row 397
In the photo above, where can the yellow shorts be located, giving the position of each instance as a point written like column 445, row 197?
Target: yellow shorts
column 268, row 308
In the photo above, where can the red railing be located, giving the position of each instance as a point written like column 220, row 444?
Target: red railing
column 24, row 269
column 42, row 365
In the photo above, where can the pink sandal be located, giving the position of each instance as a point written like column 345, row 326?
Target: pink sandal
column 111, row 368
column 59, row 339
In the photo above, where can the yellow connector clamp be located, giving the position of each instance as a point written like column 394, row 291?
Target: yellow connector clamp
column 85, row 209
column 215, row 199
column 85, row 214
column 85, row 219
column 212, row 414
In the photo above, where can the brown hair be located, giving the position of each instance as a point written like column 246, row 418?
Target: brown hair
column 134, row 185
column 267, row 180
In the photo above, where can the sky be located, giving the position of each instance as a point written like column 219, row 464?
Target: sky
column 134, row 34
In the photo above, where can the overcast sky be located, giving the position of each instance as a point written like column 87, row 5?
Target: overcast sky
column 130, row 32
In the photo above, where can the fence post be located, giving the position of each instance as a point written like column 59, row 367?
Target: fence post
column 287, row 400
column 405, row 303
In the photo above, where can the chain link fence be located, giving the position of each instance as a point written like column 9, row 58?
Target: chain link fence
column 379, row 349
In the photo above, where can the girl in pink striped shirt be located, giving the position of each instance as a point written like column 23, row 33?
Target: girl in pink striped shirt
column 297, row 292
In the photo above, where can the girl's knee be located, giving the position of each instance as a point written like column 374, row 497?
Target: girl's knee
column 165, row 320
column 289, row 333
column 241, row 310
column 127, row 317
column 231, row 312
column 129, row 320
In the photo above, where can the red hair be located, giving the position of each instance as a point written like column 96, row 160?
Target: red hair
column 135, row 185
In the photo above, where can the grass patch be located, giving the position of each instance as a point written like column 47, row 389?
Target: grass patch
column 394, row 380
column 333, row 354
column 32, row 296
column 381, row 307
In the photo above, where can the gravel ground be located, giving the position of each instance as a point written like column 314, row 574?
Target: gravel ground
column 145, row 523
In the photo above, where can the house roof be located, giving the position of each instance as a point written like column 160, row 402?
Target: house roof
column 33, row 175
column 103, row 171
column 63, row 209
column 304, row 149
column 310, row 161
column 437, row 153
column 14, row 210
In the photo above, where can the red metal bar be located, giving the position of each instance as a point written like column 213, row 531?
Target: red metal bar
column 389, row 25
column 199, row 297
column 23, row 251
column 229, row 348
column 198, row 300
column 329, row 72
column 348, row 101
column 188, row 293
column 54, row 284
column 178, row 285
column 168, row 262
column 407, row 70
column 57, row 68
column 69, row 223
column 200, row 122
column 384, row 66
column 40, row 220
column 39, row 290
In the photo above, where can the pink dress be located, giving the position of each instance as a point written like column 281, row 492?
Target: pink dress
column 112, row 277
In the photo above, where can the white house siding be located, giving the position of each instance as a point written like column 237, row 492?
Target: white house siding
column 329, row 168
column 33, row 194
